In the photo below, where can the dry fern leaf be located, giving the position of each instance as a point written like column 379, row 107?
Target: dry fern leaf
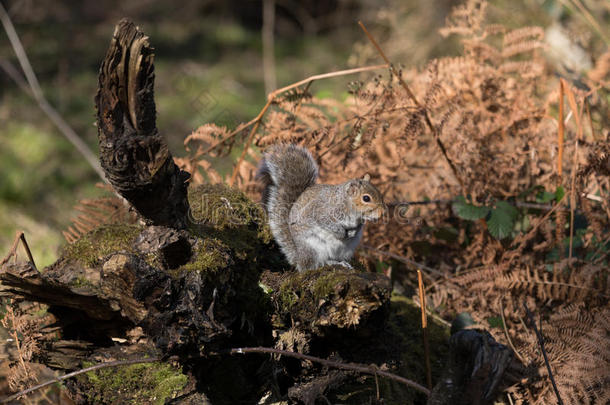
column 96, row 212
column 576, row 339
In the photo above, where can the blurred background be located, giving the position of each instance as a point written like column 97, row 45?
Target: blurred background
column 215, row 62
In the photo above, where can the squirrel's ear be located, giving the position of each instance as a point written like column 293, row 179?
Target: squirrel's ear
column 366, row 177
column 352, row 188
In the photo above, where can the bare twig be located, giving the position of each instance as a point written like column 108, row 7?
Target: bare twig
column 75, row 373
column 579, row 129
column 270, row 98
column 560, row 133
column 424, row 326
column 510, row 342
column 372, row 370
column 541, row 343
column 403, row 259
column 586, row 15
column 19, row 236
column 424, row 110
column 37, row 94
column 268, row 45
column 361, row 368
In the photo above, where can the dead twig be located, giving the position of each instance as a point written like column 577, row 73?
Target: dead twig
column 361, row 368
column 510, row 342
column 403, row 259
column 424, row 326
column 270, row 99
column 424, row 110
column 36, row 92
column 541, row 343
column 268, row 45
column 19, row 236
column 579, row 132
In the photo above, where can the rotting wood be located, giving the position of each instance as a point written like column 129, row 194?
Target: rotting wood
column 133, row 154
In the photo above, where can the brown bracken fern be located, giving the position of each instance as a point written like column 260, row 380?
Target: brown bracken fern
column 95, row 212
column 494, row 108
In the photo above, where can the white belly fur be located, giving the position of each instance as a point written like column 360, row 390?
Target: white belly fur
column 329, row 248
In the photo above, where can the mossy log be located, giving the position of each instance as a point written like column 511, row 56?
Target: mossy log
column 200, row 274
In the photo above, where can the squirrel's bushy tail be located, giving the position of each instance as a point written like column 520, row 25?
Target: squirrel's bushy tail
column 285, row 171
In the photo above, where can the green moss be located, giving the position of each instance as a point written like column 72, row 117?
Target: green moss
column 151, row 383
column 153, row 260
column 320, row 283
column 101, row 242
column 290, row 291
column 324, row 285
column 320, row 298
column 287, row 299
column 82, row 282
column 210, row 256
column 221, row 207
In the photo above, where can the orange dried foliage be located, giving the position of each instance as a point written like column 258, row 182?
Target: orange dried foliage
column 494, row 110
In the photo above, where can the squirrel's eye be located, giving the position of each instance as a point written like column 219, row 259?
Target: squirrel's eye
column 366, row 198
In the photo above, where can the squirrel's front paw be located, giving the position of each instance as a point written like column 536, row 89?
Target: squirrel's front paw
column 341, row 263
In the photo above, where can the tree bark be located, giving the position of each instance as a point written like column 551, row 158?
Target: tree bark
column 133, row 154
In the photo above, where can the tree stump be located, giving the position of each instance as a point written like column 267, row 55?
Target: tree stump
column 199, row 274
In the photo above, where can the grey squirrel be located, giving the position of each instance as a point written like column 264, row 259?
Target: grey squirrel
column 314, row 224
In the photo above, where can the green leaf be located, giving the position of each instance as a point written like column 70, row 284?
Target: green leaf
column 559, row 193
column 502, row 220
column 544, row 197
column 468, row 211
